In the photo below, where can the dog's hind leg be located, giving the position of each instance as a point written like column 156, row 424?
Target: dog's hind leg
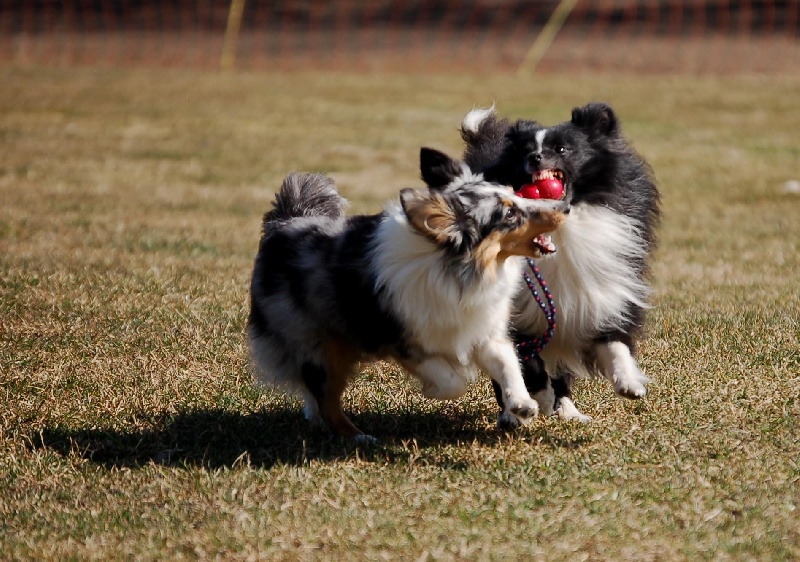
column 616, row 363
column 326, row 384
column 565, row 408
column 499, row 359
column 553, row 394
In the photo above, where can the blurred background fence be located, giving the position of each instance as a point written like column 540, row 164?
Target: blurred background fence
column 697, row 37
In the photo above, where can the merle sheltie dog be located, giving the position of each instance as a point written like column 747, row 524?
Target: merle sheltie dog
column 599, row 275
column 428, row 282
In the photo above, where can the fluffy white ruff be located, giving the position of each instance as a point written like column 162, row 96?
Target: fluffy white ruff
column 592, row 277
column 442, row 314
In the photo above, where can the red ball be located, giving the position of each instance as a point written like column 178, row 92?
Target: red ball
column 550, row 188
column 529, row 191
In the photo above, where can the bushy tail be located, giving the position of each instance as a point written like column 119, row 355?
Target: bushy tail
column 306, row 195
column 484, row 135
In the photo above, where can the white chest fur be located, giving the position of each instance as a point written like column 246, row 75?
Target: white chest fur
column 441, row 314
column 593, row 277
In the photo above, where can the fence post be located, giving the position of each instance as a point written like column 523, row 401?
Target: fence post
column 228, row 58
column 545, row 38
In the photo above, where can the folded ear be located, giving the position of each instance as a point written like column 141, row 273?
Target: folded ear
column 597, row 119
column 438, row 169
column 429, row 214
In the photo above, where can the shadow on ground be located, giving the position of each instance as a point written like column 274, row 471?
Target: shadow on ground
column 222, row 438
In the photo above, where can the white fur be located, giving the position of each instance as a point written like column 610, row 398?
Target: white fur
column 442, row 379
column 568, row 411
column 467, row 177
column 472, row 120
column 441, row 315
column 616, row 363
column 460, row 328
column 500, row 359
column 540, row 139
column 592, row 278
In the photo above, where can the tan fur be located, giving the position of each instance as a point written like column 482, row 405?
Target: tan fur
column 499, row 246
column 519, row 242
column 340, row 360
column 431, row 216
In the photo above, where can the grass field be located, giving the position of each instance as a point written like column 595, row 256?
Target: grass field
column 129, row 424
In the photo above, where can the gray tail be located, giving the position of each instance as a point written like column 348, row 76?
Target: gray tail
column 484, row 135
column 306, row 195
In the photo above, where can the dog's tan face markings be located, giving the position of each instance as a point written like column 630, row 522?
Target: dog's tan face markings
column 518, row 240
column 429, row 214
column 487, row 225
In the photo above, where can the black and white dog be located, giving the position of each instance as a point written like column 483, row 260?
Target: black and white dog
column 429, row 282
column 599, row 276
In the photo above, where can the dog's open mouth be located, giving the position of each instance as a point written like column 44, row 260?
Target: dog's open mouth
column 545, row 184
column 544, row 244
column 550, row 183
column 553, row 173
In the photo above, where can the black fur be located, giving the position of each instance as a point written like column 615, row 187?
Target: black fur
column 429, row 282
column 600, row 169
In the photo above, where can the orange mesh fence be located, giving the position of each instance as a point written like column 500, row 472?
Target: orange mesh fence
column 642, row 36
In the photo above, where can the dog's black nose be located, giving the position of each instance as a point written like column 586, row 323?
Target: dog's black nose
column 534, row 158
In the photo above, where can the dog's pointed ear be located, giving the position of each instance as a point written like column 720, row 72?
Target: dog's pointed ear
column 429, row 213
column 438, row 169
column 597, row 119
column 410, row 199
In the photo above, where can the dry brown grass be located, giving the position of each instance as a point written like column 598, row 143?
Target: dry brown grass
column 130, row 427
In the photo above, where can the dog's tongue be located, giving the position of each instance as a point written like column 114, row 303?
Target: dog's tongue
column 545, row 188
column 545, row 244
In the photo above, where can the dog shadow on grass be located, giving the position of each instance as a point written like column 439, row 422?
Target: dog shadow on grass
column 220, row 438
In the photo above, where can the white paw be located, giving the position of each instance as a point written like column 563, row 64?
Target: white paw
column 618, row 365
column 365, row 439
column 632, row 385
column 523, row 409
column 567, row 411
column 517, row 413
column 311, row 412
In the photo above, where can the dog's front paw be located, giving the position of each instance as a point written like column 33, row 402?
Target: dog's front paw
column 632, row 385
column 618, row 365
column 523, row 409
column 632, row 392
column 507, row 422
column 517, row 413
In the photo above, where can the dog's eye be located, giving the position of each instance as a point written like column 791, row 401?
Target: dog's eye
column 511, row 212
column 561, row 149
